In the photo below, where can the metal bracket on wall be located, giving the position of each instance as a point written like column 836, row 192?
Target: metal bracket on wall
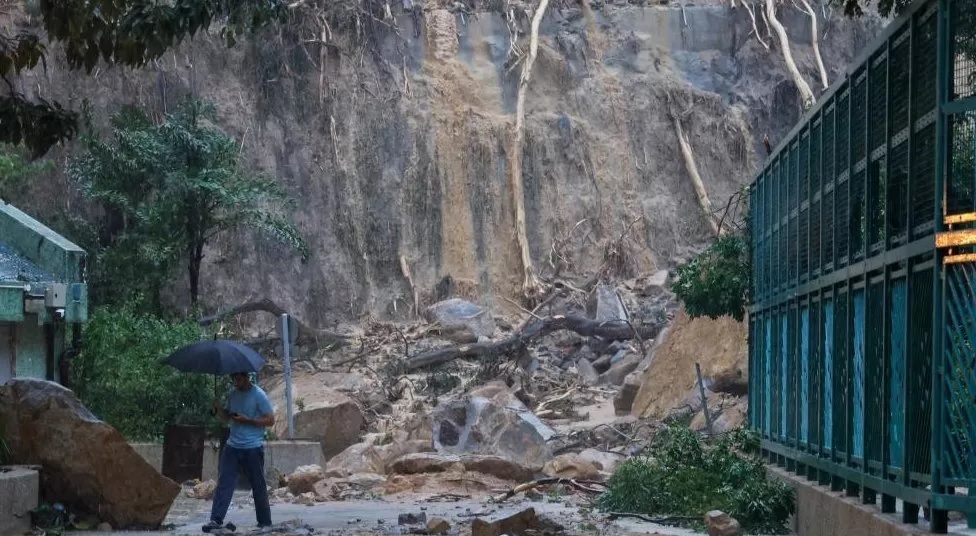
column 957, row 239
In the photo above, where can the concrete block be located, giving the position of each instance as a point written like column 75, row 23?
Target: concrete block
column 20, row 490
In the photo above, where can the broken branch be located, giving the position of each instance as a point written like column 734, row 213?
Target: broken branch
column 582, row 485
column 307, row 336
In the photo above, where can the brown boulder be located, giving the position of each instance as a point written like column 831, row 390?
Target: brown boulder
column 438, row 525
column 204, row 490
column 303, row 479
column 333, row 419
column 721, row 524
column 424, row 462
column 497, row 466
column 367, row 458
column 87, row 464
column 571, row 466
column 520, row 523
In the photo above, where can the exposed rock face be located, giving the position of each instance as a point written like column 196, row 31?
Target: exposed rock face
column 461, row 321
column 334, row 420
column 491, row 420
column 86, row 463
column 397, row 157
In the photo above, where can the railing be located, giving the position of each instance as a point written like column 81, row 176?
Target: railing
column 861, row 327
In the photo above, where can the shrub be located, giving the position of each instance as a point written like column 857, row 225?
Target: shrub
column 681, row 475
column 119, row 375
column 716, row 282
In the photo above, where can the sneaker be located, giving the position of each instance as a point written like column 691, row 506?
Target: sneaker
column 212, row 526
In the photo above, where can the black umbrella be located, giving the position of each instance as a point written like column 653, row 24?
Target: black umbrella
column 218, row 356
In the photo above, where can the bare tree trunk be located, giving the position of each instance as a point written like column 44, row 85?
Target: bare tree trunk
column 784, row 43
column 530, row 283
column 815, row 40
column 755, row 28
column 696, row 180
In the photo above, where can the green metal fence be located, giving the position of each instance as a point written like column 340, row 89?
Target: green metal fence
column 863, row 320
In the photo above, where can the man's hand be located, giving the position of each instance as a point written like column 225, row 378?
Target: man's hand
column 240, row 419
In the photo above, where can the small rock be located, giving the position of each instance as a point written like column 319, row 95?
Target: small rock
column 104, row 527
column 438, row 525
column 603, row 460
column 589, row 374
column 604, row 305
column 721, row 524
column 303, row 479
column 602, row 364
column 203, row 490
column 618, row 372
column 624, row 401
column 520, row 523
column 460, row 320
column 412, row 519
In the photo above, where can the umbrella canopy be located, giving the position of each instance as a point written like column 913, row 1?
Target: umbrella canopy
column 216, row 357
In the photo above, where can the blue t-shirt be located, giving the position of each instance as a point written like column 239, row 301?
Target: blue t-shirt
column 253, row 404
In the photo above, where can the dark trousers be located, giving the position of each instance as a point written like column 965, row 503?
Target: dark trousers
column 252, row 462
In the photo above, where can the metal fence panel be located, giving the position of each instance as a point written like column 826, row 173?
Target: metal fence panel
column 864, row 284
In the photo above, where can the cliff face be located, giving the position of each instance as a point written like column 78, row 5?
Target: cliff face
column 395, row 148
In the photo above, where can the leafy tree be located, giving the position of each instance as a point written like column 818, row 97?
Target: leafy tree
column 130, row 33
column 716, row 282
column 682, row 475
column 119, row 377
column 856, row 8
column 15, row 167
column 167, row 190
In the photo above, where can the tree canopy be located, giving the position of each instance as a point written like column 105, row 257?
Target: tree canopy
column 123, row 32
column 886, row 8
column 166, row 190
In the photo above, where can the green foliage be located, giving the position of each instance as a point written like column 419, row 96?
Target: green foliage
column 122, row 32
column 716, row 282
column 681, row 475
column 119, row 376
column 856, row 8
column 167, row 190
column 15, row 167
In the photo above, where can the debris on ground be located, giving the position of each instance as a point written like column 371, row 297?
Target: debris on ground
column 520, row 523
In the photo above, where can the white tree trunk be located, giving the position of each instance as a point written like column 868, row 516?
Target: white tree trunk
column 784, row 43
column 696, row 180
column 815, row 39
column 530, row 283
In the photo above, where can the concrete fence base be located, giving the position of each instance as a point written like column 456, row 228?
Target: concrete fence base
column 20, row 490
column 280, row 457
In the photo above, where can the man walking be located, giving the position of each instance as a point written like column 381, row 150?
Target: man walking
column 249, row 411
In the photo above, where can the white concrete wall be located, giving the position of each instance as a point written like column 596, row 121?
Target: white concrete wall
column 280, row 457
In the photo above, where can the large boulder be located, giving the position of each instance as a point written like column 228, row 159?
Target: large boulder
column 332, row 418
column 371, row 458
column 86, row 464
column 461, row 321
column 604, row 304
column 491, row 420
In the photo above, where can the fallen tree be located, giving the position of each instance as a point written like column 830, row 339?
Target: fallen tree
column 308, row 336
column 619, row 330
